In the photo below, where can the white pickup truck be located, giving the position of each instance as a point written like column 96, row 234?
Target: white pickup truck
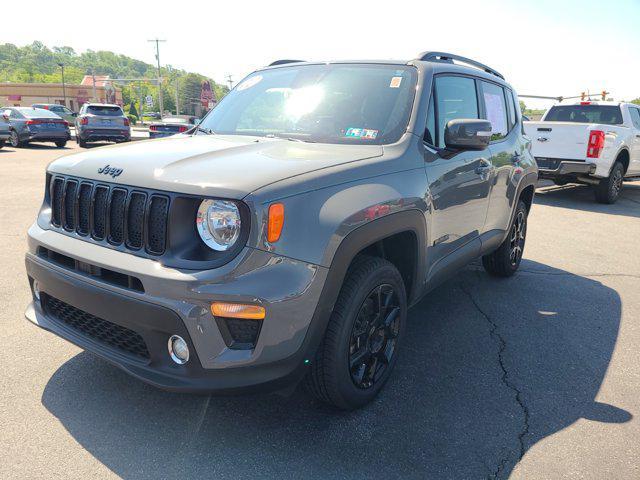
column 595, row 143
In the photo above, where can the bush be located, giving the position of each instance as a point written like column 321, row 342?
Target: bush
column 132, row 118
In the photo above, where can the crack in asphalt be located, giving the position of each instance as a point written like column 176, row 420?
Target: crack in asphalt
column 502, row 346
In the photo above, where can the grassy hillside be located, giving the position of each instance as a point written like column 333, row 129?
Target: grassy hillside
column 38, row 63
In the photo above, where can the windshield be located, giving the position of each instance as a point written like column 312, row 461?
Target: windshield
column 606, row 114
column 105, row 111
column 339, row 103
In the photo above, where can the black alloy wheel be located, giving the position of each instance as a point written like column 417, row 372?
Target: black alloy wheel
column 374, row 336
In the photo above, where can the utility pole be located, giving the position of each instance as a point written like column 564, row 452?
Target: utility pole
column 93, row 76
column 177, row 95
column 64, row 91
column 157, row 42
column 230, row 82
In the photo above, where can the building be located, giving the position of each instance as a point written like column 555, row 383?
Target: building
column 26, row 94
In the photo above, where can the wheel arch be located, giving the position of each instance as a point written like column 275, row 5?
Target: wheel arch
column 623, row 157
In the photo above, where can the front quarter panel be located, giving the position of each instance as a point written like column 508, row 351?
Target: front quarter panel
column 317, row 221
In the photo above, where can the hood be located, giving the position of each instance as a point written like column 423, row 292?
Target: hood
column 216, row 165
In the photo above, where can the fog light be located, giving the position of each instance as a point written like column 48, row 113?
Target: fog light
column 36, row 290
column 178, row 350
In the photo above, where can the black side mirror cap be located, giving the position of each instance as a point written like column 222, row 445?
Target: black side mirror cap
column 467, row 134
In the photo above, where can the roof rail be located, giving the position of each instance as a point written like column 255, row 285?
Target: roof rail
column 282, row 62
column 443, row 57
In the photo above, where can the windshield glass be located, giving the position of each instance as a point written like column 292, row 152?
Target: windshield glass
column 105, row 111
column 339, row 103
column 606, row 114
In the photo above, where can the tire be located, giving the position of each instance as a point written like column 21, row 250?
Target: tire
column 14, row 140
column 359, row 348
column 61, row 144
column 82, row 143
column 608, row 190
column 1, row 143
column 505, row 261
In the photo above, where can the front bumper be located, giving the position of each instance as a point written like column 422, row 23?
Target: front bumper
column 175, row 303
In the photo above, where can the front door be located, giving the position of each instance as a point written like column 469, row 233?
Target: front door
column 459, row 182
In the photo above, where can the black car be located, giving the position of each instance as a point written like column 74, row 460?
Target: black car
column 170, row 126
column 28, row 124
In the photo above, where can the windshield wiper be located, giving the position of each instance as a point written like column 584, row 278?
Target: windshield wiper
column 208, row 131
column 291, row 139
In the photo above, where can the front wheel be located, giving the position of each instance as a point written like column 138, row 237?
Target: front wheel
column 608, row 190
column 81, row 143
column 61, row 144
column 506, row 259
column 360, row 345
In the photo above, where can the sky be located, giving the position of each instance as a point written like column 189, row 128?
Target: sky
column 542, row 47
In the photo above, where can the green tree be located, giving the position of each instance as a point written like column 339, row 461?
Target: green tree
column 523, row 107
column 636, row 101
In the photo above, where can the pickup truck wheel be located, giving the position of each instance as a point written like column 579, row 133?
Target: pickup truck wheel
column 359, row 349
column 608, row 190
column 506, row 259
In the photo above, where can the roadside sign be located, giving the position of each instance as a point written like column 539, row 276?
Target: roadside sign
column 149, row 100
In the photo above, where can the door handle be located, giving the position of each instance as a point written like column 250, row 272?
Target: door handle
column 515, row 158
column 483, row 166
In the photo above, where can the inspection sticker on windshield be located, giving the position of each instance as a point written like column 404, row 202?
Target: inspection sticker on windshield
column 365, row 133
column 395, row 82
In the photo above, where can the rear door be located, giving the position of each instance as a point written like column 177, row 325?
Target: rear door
column 506, row 148
column 458, row 180
column 634, row 164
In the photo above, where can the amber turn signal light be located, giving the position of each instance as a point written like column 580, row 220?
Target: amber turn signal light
column 237, row 310
column 276, row 222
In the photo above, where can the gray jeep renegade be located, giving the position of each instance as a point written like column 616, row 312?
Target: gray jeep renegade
column 285, row 237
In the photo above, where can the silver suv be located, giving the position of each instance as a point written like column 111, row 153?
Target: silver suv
column 286, row 236
column 98, row 122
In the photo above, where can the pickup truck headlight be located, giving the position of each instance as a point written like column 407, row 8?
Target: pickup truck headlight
column 218, row 223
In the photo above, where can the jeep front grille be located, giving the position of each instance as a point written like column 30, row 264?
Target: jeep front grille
column 131, row 217
column 98, row 329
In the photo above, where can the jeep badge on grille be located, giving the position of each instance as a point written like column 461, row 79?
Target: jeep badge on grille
column 109, row 170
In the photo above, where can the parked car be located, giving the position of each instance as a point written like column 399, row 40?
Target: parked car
column 98, row 122
column 28, row 124
column 287, row 236
column 5, row 131
column 593, row 143
column 171, row 125
column 60, row 110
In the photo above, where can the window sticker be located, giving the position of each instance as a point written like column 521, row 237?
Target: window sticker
column 365, row 133
column 249, row 82
column 395, row 82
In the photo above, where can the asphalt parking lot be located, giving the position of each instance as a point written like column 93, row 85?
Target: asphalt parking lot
column 537, row 376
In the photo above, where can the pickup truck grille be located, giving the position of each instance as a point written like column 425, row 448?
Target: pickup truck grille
column 131, row 217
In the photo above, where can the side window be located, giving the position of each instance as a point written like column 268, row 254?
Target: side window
column 496, row 110
column 635, row 117
column 430, row 132
column 511, row 109
column 455, row 98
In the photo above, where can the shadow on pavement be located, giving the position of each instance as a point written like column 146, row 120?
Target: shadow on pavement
column 580, row 197
column 488, row 368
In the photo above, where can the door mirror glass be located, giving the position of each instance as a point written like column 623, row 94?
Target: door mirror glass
column 467, row 134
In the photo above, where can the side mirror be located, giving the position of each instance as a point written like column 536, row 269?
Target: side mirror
column 467, row 134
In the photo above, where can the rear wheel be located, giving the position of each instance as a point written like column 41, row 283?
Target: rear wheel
column 61, row 144
column 14, row 140
column 506, row 259
column 1, row 143
column 359, row 349
column 608, row 190
column 82, row 143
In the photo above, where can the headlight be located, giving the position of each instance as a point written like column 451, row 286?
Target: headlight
column 218, row 223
